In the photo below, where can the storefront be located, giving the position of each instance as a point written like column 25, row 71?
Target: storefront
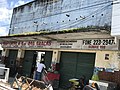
column 75, row 53
column 76, row 64
column 11, row 62
column 29, row 61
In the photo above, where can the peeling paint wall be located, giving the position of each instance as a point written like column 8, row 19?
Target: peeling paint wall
column 112, row 62
column 60, row 14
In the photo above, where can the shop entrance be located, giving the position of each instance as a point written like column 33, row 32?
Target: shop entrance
column 30, row 58
column 74, row 65
column 29, row 63
column 11, row 62
column 48, row 59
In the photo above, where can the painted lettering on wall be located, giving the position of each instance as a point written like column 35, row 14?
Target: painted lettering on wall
column 66, row 44
column 96, row 47
column 106, row 44
column 99, row 42
column 26, row 44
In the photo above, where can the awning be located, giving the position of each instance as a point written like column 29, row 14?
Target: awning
column 56, row 36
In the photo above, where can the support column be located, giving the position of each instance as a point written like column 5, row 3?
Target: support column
column 56, row 56
column 5, row 53
column 55, row 60
column 19, row 61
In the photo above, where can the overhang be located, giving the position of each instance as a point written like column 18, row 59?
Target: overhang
column 56, row 36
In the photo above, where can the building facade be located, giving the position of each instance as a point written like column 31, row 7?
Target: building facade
column 52, row 15
column 74, row 34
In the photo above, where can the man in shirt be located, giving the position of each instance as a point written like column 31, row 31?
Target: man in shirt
column 39, row 69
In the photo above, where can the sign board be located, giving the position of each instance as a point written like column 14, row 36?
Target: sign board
column 100, row 44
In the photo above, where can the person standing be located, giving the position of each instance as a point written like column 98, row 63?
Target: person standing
column 39, row 68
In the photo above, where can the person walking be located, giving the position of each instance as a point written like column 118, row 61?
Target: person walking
column 39, row 68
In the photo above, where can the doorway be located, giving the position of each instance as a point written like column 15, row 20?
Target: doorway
column 74, row 65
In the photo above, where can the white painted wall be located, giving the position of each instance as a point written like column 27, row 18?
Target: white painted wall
column 1, row 47
column 115, row 30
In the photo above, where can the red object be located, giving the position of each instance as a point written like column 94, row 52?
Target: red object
column 54, row 67
column 53, row 76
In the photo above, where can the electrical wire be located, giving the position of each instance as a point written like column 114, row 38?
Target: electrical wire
column 97, row 12
column 62, row 12
column 87, row 18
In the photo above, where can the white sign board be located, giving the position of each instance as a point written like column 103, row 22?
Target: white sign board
column 102, row 44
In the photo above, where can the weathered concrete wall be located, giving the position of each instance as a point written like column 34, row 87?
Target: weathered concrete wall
column 108, row 59
column 60, row 14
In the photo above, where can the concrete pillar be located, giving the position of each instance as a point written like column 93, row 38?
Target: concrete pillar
column 56, row 56
column 5, row 53
column 55, row 60
column 19, row 60
column 20, row 54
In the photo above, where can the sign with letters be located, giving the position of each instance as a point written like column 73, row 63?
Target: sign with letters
column 100, row 44
column 25, row 44
column 106, row 44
